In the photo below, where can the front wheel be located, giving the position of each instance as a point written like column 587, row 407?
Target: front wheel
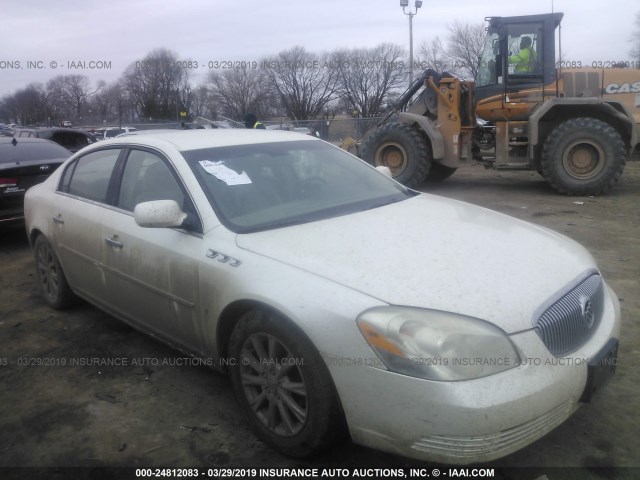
column 283, row 385
column 402, row 149
column 583, row 156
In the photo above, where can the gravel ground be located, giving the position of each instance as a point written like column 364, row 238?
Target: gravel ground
column 161, row 411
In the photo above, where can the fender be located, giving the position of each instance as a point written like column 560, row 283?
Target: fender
column 435, row 137
column 612, row 109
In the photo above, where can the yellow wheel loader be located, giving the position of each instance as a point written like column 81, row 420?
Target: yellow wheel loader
column 575, row 124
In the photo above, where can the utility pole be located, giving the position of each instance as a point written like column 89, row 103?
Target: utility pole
column 405, row 4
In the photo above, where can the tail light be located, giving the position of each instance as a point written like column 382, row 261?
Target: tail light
column 8, row 182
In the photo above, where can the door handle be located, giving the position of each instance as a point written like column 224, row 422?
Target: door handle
column 113, row 241
column 58, row 219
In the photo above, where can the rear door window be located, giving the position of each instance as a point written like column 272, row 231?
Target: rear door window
column 89, row 176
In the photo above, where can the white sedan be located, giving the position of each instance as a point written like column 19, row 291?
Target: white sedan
column 340, row 302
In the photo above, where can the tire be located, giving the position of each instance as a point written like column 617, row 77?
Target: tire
column 401, row 148
column 439, row 172
column 51, row 279
column 292, row 407
column 583, row 156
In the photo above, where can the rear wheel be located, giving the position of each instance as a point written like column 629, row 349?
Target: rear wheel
column 402, row 149
column 53, row 284
column 583, row 156
column 283, row 385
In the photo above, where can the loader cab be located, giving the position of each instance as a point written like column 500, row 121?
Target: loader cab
column 517, row 61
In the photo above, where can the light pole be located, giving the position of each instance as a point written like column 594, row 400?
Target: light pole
column 405, row 4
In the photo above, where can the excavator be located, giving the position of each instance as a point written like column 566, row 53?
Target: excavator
column 575, row 124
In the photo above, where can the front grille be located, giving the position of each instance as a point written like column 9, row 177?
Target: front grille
column 570, row 320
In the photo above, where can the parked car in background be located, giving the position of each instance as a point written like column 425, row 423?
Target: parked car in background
column 72, row 139
column 291, row 128
column 98, row 133
column 113, row 132
column 306, row 131
column 337, row 299
column 146, row 132
column 24, row 162
column 66, row 123
column 8, row 130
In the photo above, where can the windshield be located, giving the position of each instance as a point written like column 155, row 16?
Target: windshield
column 489, row 68
column 264, row 186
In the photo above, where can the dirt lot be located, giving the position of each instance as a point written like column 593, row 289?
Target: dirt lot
column 160, row 411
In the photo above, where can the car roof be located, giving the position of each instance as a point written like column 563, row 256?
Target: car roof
column 184, row 140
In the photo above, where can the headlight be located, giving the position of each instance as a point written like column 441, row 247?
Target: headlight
column 436, row 345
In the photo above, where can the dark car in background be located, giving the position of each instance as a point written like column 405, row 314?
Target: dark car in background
column 24, row 162
column 72, row 139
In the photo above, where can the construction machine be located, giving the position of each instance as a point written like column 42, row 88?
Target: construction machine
column 526, row 110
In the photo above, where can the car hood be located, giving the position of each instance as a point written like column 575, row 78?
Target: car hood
column 436, row 253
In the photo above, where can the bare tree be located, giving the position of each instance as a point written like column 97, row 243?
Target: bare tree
column 239, row 91
column 102, row 102
column 367, row 75
column 8, row 109
column 56, row 99
column 68, row 94
column 635, row 39
column 432, row 54
column 110, row 103
column 77, row 89
column 27, row 105
column 157, row 85
column 464, row 47
column 304, row 82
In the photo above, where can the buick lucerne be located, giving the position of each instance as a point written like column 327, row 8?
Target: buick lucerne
column 339, row 301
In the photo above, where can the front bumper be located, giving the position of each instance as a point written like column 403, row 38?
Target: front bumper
column 469, row 421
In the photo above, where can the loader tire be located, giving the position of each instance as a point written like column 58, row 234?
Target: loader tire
column 583, row 156
column 439, row 172
column 402, row 149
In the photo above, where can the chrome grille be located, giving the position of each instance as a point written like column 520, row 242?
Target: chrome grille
column 569, row 321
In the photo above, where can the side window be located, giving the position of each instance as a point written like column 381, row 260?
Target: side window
column 524, row 43
column 91, row 175
column 147, row 177
column 489, row 70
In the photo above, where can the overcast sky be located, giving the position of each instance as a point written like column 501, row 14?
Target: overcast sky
column 119, row 32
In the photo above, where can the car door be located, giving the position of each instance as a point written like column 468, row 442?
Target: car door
column 151, row 274
column 81, row 202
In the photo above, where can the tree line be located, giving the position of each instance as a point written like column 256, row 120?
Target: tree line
column 295, row 83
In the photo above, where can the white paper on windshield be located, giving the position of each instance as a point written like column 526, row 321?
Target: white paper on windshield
column 228, row 176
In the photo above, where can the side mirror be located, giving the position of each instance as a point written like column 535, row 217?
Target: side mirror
column 159, row 214
column 385, row 170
